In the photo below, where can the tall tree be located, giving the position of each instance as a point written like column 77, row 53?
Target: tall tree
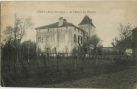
column 124, row 40
column 89, row 46
column 28, row 49
column 17, row 32
column 11, row 49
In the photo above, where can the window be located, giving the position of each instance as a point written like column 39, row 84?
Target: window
column 38, row 39
column 48, row 50
column 55, row 49
column 81, row 32
column 78, row 39
column 41, row 39
column 66, row 49
column 81, row 40
column 74, row 29
column 75, row 38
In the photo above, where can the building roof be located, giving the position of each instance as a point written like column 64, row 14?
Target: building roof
column 86, row 20
column 56, row 25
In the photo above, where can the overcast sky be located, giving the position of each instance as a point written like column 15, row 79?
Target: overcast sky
column 106, row 16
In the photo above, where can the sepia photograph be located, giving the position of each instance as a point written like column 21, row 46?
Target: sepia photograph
column 69, row 44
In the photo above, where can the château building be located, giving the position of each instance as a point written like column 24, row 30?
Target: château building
column 63, row 36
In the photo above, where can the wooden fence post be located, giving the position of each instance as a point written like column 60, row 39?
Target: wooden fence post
column 57, row 63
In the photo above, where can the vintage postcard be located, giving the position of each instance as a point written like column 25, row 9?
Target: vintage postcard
column 69, row 44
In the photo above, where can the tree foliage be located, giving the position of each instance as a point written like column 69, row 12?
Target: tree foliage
column 28, row 49
column 17, row 32
column 12, row 59
column 124, row 40
column 89, row 46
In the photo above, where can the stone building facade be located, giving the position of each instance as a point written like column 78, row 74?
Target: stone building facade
column 60, row 37
column 87, row 25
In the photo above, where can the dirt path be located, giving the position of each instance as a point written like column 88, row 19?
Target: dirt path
column 126, row 79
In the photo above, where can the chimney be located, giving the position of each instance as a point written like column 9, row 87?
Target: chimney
column 61, row 20
column 65, row 20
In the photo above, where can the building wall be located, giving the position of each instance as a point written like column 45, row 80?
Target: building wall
column 60, row 40
column 89, row 29
column 78, row 37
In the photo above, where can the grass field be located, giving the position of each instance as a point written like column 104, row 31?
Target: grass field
column 126, row 79
column 67, row 72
